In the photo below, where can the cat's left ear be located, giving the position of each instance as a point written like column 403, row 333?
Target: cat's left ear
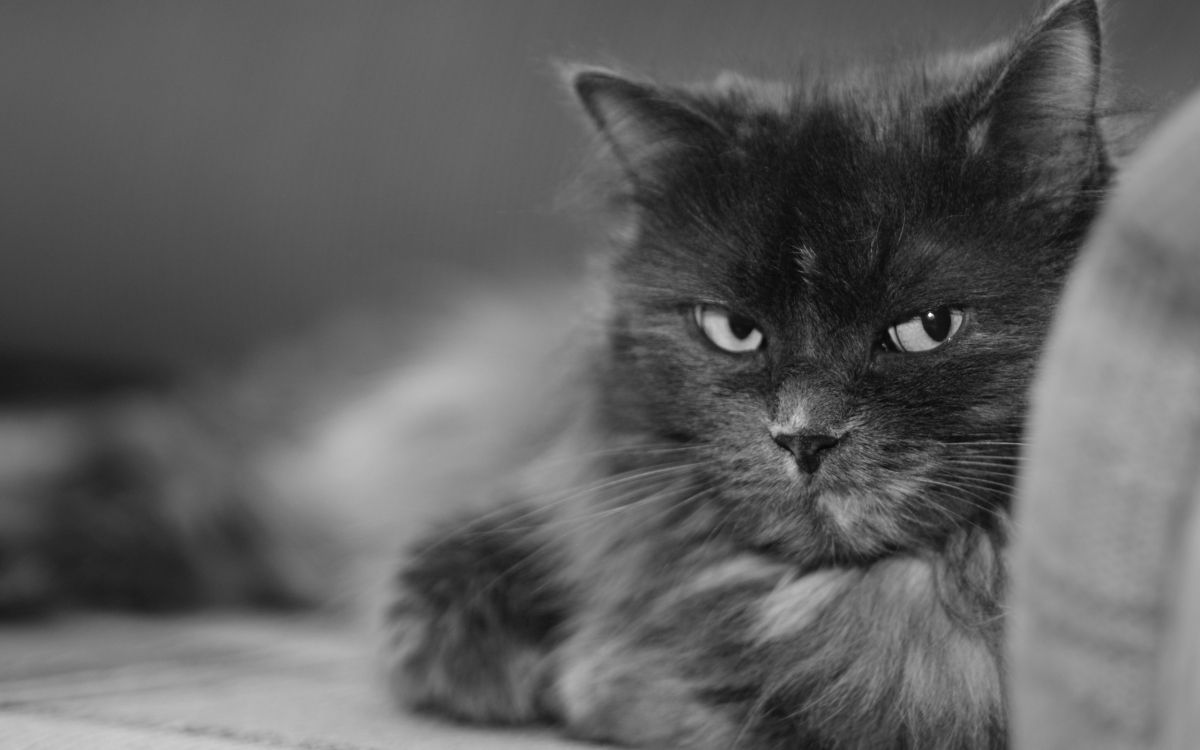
column 643, row 125
column 1040, row 106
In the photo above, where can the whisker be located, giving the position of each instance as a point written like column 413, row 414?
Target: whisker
column 584, row 457
column 985, row 480
column 549, row 502
column 541, row 548
column 1001, row 461
column 969, row 494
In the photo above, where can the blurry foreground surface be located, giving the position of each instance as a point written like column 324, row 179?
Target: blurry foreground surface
column 218, row 682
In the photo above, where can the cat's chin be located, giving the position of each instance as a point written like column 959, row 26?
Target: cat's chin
column 806, row 551
column 817, row 520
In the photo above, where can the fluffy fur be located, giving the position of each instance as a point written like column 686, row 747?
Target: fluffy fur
column 287, row 481
column 686, row 568
column 801, row 544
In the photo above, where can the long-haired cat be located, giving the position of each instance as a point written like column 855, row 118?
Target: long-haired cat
column 770, row 510
column 779, row 518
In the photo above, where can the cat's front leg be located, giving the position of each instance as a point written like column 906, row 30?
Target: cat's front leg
column 669, row 664
column 612, row 690
column 474, row 615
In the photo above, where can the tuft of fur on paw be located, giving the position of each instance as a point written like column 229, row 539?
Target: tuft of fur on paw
column 474, row 617
column 610, row 694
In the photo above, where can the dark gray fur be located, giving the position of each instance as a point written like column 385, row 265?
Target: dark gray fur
column 682, row 585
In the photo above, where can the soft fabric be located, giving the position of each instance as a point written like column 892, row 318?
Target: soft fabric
column 212, row 682
column 1105, row 611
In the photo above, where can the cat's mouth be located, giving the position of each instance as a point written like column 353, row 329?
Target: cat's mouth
column 868, row 495
column 858, row 505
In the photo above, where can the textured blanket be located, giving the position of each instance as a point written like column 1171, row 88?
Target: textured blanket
column 216, row 682
column 1106, row 606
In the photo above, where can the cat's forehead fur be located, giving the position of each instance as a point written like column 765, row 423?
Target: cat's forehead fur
column 879, row 91
column 876, row 168
column 815, row 186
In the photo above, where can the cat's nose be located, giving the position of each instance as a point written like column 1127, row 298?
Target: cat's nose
column 808, row 448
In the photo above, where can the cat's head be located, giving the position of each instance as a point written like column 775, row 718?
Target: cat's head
column 835, row 290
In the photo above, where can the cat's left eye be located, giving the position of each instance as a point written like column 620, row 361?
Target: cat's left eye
column 729, row 331
column 925, row 332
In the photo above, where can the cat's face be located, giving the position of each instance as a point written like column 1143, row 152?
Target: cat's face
column 837, row 297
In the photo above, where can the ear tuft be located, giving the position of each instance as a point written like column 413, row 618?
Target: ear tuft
column 641, row 123
column 1042, row 103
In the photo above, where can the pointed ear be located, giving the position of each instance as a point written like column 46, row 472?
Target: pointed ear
column 1042, row 102
column 641, row 124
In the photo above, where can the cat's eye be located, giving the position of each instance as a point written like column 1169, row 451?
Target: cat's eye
column 925, row 332
column 728, row 331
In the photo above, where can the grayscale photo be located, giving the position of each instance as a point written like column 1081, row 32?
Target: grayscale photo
column 531, row 375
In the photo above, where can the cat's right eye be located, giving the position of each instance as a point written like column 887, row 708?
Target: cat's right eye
column 727, row 330
column 925, row 332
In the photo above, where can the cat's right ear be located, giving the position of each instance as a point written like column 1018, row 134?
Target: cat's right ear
column 642, row 125
column 1041, row 109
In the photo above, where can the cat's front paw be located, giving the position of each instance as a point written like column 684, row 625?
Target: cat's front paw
column 606, row 693
column 471, row 624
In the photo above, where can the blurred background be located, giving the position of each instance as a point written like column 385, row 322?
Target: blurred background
column 182, row 182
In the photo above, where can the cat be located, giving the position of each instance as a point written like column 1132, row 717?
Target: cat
column 779, row 515
column 770, row 507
